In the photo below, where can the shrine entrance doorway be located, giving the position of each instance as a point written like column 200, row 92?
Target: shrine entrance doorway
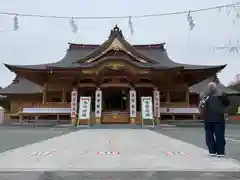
column 115, row 105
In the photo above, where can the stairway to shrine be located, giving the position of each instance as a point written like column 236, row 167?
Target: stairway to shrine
column 115, row 117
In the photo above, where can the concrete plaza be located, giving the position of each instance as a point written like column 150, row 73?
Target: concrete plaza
column 132, row 149
column 196, row 137
column 143, row 154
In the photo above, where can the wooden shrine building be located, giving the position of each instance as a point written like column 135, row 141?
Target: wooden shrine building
column 107, row 73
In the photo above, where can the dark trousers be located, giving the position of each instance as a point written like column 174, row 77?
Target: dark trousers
column 215, row 137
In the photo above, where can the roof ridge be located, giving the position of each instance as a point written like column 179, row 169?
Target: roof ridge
column 80, row 45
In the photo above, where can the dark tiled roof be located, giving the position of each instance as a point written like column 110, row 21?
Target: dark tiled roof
column 67, row 64
column 21, row 86
column 235, row 86
column 161, row 56
column 74, row 55
column 200, row 87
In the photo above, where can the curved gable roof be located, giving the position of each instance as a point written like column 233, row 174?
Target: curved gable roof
column 116, row 41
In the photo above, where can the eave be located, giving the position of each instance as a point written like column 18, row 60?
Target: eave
column 27, row 68
column 189, row 68
column 75, row 67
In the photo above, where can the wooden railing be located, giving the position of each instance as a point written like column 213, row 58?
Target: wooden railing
column 53, row 105
column 175, row 104
column 174, row 109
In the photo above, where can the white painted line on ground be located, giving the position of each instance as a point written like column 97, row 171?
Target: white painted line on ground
column 41, row 153
column 108, row 153
column 175, row 153
column 233, row 140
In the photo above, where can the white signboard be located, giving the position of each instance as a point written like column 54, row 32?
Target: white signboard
column 84, row 107
column 147, row 107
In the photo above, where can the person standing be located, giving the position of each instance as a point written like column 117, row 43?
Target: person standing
column 211, row 106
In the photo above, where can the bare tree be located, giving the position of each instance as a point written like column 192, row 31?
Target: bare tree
column 236, row 83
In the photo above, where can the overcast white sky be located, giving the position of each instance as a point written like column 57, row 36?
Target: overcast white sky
column 45, row 40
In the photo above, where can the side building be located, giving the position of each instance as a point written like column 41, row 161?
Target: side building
column 115, row 68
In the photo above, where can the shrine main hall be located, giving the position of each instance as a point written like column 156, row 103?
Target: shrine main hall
column 115, row 74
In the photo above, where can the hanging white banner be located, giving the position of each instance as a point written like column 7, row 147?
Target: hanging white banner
column 98, row 103
column 147, row 107
column 156, row 101
column 74, row 97
column 133, row 104
column 84, row 107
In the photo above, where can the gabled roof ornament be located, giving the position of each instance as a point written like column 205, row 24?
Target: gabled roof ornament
column 116, row 32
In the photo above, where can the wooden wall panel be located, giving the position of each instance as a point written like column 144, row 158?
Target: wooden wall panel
column 18, row 104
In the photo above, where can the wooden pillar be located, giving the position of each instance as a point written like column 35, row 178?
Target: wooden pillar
column 187, row 98
column 63, row 95
column 44, row 95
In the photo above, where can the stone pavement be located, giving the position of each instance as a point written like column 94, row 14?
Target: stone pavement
column 132, row 149
column 196, row 136
column 15, row 137
column 119, row 175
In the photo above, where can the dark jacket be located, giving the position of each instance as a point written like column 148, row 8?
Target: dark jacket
column 215, row 107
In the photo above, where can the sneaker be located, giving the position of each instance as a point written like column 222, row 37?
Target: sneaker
column 220, row 155
column 211, row 154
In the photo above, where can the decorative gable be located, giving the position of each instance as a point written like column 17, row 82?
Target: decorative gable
column 116, row 42
column 116, row 45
